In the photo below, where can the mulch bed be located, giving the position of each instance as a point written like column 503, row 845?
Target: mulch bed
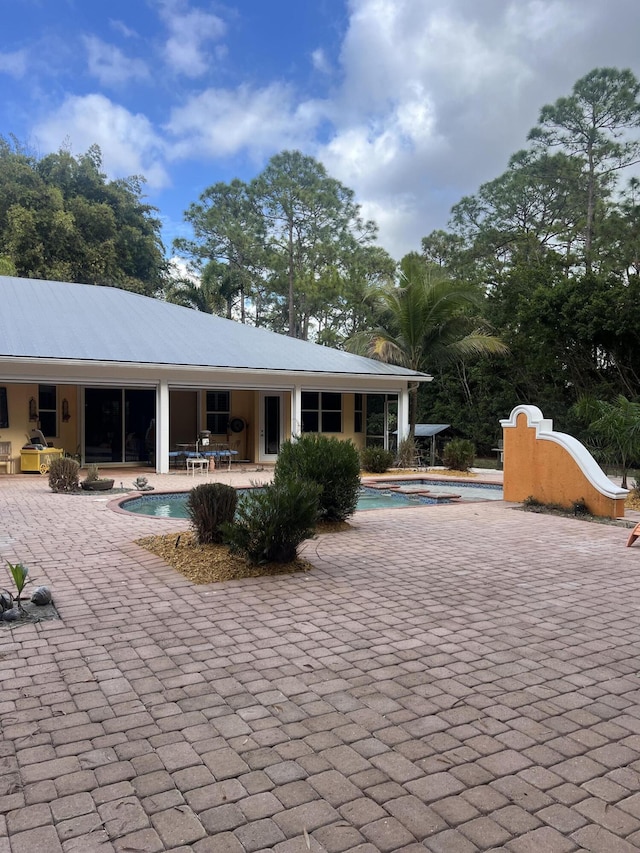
column 215, row 563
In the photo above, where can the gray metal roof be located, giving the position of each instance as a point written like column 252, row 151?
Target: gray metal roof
column 428, row 430
column 58, row 320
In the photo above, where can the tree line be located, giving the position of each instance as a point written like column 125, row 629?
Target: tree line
column 540, row 268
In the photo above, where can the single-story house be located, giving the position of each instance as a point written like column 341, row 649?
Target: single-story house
column 118, row 378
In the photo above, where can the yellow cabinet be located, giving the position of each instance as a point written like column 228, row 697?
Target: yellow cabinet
column 38, row 461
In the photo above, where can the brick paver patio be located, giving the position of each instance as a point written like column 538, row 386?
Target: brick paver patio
column 448, row 679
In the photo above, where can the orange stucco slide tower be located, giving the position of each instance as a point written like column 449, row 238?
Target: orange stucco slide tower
column 554, row 467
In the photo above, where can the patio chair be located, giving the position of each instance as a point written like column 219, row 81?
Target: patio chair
column 6, row 458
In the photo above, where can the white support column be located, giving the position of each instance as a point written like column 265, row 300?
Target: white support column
column 162, row 427
column 403, row 414
column 296, row 411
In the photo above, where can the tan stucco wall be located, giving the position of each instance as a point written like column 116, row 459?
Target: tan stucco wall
column 20, row 426
column 546, row 471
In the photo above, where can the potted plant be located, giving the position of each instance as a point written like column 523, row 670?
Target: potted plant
column 93, row 483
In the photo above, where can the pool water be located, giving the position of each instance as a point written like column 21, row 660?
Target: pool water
column 467, row 491
column 175, row 505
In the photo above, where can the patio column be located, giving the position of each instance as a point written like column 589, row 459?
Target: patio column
column 296, row 411
column 403, row 414
column 162, row 427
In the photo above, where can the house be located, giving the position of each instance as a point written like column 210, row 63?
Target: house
column 119, row 378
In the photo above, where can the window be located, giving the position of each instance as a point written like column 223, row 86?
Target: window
column 48, row 410
column 321, row 411
column 357, row 413
column 218, row 411
column 4, row 409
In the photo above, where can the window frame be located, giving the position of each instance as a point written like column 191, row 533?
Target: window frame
column 48, row 410
column 318, row 412
column 358, row 413
column 218, row 416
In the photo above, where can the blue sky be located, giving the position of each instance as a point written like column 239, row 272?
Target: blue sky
column 411, row 103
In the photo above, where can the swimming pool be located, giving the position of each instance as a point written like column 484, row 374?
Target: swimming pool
column 395, row 494
column 467, row 491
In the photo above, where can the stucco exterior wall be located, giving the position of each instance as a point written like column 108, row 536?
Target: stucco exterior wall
column 553, row 467
column 20, row 426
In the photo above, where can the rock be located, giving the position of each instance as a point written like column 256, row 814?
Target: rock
column 10, row 615
column 41, row 595
column 6, row 600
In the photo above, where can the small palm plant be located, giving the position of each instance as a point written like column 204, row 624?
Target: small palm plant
column 19, row 572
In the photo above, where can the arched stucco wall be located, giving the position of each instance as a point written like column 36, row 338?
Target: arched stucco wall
column 554, row 467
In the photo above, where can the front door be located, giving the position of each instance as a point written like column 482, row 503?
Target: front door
column 270, row 427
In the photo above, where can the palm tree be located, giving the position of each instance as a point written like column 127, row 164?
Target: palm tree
column 428, row 320
column 614, row 429
column 212, row 292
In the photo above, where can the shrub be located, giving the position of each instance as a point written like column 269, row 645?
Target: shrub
column 209, row 506
column 272, row 521
column 332, row 464
column 407, row 452
column 92, row 474
column 63, row 475
column 376, row 459
column 459, row 454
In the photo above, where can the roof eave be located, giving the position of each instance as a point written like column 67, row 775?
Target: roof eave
column 409, row 376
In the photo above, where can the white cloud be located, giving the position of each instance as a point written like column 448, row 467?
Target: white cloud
column 14, row 63
column 436, row 96
column 128, row 142
column 320, row 62
column 110, row 65
column 190, row 31
column 223, row 122
column 122, row 28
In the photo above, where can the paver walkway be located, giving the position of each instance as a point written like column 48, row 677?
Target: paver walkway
column 448, row 679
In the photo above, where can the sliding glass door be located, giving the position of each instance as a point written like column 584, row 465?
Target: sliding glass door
column 117, row 425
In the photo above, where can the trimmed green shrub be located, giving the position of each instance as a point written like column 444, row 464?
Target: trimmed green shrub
column 63, row 475
column 272, row 521
column 376, row 459
column 209, row 506
column 332, row 464
column 459, row 454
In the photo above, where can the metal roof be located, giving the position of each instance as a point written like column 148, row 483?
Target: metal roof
column 428, row 430
column 83, row 322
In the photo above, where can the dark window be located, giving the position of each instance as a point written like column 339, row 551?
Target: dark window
column 48, row 410
column 321, row 411
column 4, row 409
column 218, row 411
column 357, row 413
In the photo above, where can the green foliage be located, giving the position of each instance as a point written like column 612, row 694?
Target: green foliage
column 332, row 464
column 64, row 475
column 272, row 521
column 61, row 219
column 19, row 573
column 430, row 320
column 459, row 454
column 291, row 246
column 614, row 429
column 377, row 460
column 209, row 506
